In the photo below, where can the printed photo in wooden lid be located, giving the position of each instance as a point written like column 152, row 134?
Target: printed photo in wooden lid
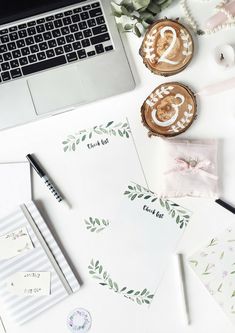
column 169, row 110
column 167, row 47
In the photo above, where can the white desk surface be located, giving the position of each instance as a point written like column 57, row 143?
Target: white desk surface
column 216, row 119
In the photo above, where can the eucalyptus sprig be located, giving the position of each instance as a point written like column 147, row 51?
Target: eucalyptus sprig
column 136, row 15
column 97, row 271
column 96, row 225
column 181, row 216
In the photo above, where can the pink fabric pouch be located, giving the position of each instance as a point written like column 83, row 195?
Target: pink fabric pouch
column 188, row 168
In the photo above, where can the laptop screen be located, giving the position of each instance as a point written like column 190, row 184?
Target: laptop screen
column 17, row 9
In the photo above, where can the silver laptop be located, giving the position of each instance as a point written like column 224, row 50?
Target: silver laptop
column 56, row 55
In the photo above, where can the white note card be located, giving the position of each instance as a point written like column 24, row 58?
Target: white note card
column 30, row 284
column 15, row 186
column 14, row 243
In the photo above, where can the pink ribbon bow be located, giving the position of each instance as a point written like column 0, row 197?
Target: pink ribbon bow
column 193, row 167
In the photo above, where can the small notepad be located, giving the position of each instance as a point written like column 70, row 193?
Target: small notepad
column 215, row 266
column 43, row 256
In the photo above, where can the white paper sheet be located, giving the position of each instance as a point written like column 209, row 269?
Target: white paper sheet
column 15, row 186
column 130, row 233
column 29, row 284
column 215, row 266
column 15, row 243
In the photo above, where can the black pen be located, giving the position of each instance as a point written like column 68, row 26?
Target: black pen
column 45, row 178
column 225, row 205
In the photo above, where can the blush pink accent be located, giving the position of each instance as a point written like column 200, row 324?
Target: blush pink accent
column 220, row 17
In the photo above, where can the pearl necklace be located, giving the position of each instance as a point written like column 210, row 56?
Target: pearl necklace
column 219, row 8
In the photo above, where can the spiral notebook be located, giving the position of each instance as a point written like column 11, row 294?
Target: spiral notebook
column 42, row 254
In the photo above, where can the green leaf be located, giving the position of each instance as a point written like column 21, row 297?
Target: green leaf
column 150, row 296
column 140, row 195
column 97, row 221
column 154, row 8
column 110, row 283
column 127, row 192
column 84, row 137
column 167, row 205
column 123, row 289
column 139, row 187
column 91, row 272
column 133, row 196
column 147, row 197
column 138, row 301
column 105, row 275
column 140, row 4
column 90, row 135
column 147, row 301
column 110, row 123
column 103, row 284
column 181, row 211
column 100, row 269
column 154, row 199
column 130, row 292
column 116, row 8
column 116, row 14
column 173, row 213
column 219, row 288
column 125, row 11
column 181, row 225
column 126, row 27
column 147, row 17
column 66, row 148
column 165, row 4
column 195, row 262
column 136, row 293
column 161, row 202
column 93, row 229
column 115, row 286
column 97, row 263
column 143, row 292
column 130, row 187
column 73, row 147
column 178, row 219
column 99, row 230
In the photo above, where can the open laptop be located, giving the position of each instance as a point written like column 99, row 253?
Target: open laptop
column 56, row 55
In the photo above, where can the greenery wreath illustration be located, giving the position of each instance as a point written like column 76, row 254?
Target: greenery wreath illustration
column 111, row 129
column 97, row 271
column 135, row 191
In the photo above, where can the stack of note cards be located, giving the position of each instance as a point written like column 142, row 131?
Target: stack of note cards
column 215, row 266
column 34, row 274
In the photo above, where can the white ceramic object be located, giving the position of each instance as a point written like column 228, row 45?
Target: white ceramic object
column 225, row 55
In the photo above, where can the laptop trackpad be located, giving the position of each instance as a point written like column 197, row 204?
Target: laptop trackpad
column 56, row 90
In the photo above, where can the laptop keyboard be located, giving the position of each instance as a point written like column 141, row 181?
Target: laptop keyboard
column 52, row 41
